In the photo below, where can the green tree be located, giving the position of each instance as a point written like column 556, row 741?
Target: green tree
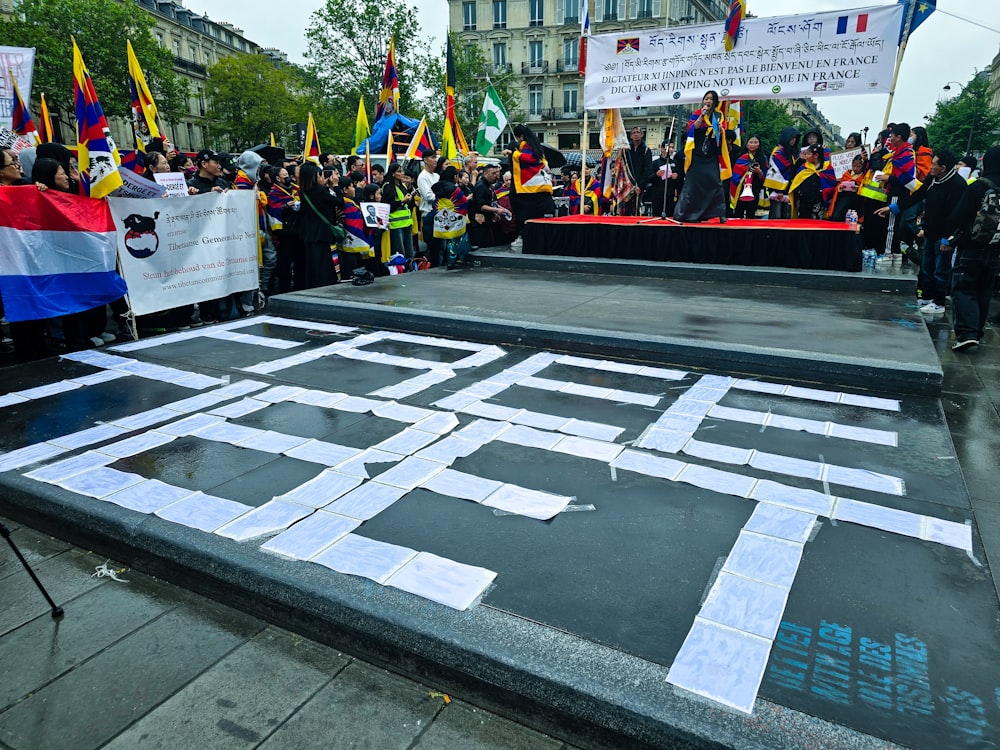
column 101, row 28
column 252, row 96
column 965, row 123
column 765, row 118
column 347, row 45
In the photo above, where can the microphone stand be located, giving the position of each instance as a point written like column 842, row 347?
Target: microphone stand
column 57, row 611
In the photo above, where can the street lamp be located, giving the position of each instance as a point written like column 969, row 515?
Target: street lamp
column 975, row 113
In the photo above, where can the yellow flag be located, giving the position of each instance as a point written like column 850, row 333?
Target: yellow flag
column 361, row 129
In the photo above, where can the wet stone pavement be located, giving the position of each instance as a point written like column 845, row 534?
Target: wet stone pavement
column 759, row 543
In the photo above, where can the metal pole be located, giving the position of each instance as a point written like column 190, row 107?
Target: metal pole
column 911, row 9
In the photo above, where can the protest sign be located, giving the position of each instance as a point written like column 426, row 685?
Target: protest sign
column 818, row 54
column 841, row 160
column 20, row 61
column 172, row 182
column 136, row 186
column 176, row 253
column 11, row 140
column 376, row 215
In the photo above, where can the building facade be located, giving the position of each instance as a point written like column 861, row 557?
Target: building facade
column 535, row 45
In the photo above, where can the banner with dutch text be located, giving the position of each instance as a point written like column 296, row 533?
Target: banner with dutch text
column 834, row 53
column 177, row 252
column 21, row 62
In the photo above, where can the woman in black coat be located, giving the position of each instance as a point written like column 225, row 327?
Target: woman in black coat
column 318, row 214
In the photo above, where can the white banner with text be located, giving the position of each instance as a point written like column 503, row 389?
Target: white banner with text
column 835, row 53
column 177, row 252
column 21, row 62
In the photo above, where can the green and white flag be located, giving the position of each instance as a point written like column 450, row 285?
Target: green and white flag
column 491, row 122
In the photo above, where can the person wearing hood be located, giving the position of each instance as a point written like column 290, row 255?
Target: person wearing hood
column 966, row 166
column 706, row 164
column 248, row 177
column 976, row 262
column 780, row 172
column 939, row 195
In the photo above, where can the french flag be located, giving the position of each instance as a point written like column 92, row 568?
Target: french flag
column 57, row 254
column 860, row 24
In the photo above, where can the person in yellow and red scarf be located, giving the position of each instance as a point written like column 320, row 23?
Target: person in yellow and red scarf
column 845, row 197
column 806, row 190
column 706, row 164
column 590, row 200
column 747, row 181
column 531, row 189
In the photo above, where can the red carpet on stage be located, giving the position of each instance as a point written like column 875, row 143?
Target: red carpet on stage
column 799, row 243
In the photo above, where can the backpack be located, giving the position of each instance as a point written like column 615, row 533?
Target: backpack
column 985, row 228
column 362, row 277
column 420, row 263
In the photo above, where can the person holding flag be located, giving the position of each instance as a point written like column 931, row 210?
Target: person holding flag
column 706, row 164
column 97, row 155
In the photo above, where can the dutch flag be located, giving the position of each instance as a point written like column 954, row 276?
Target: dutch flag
column 852, row 24
column 57, row 254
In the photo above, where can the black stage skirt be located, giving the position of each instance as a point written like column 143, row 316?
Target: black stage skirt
column 701, row 197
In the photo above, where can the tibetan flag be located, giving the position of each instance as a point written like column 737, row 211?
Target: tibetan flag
column 311, row 151
column 21, row 122
column 737, row 12
column 45, row 134
column 492, row 121
column 733, row 112
column 923, row 10
column 420, row 140
column 144, row 115
column 852, row 24
column 361, row 129
column 451, row 119
column 613, row 133
column 57, row 254
column 584, row 33
column 97, row 154
column 388, row 97
column 273, row 144
column 390, row 150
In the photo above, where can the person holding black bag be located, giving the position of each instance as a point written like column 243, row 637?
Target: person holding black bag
column 320, row 229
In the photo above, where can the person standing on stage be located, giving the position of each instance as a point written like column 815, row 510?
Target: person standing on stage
column 780, row 172
column 639, row 160
column 706, row 164
column 899, row 176
column 806, row 190
column 531, row 190
column 656, row 190
column 747, row 181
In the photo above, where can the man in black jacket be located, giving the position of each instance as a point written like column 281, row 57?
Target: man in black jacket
column 209, row 178
column 941, row 193
column 976, row 264
column 639, row 159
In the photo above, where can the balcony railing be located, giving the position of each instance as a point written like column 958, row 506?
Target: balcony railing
column 570, row 115
column 535, row 66
column 567, row 65
column 575, row 20
column 191, row 67
column 503, row 68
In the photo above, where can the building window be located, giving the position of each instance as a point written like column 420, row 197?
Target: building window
column 572, row 12
column 536, row 12
column 499, row 14
column 535, row 99
column 499, row 54
column 177, row 48
column 191, row 143
column 571, row 53
column 610, row 9
column 642, row 8
column 469, row 16
column 159, row 39
column 569, row 98
column 535, row 53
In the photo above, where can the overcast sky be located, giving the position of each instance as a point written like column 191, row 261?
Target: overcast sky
column 943, row 49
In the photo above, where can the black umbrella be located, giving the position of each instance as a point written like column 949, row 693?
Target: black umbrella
column 572, row 158
column 270, row 154
column 555, row 158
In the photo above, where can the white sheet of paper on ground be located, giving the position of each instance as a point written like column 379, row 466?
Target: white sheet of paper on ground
column 751, row 606
column 461, row 485
column 631, row 397
column 587, row 448
column 572, row 361
column 807, row 501
column 141, row 443
column 53, row 472
column 310, row 535
column 191, row 425
column 595, row 430
column 491, row 411
column 699, row 392
column 227, row 432
column 269, row 441
column 269, row 518
column 527, row 502
column 196, row 403
column 240, row 388
column 321, row 490
column 357, row 404
column 203, row 512
column 482, row 430
column 879, row 517
column 793, row 467
column 764, row 558
column 99, row 482
column 29, row 454
column 148, row 496
column 406, row 442
column 689, row 408
column 588, row 391
column 796, row 424
column 865, row 480
column 863, row 434
column 652, row 466
column 239, row 408
column 96, row 358
column 549, row 422
column 456, row 401
column 438, row 423
column 50, row 389
column 444, row 581
column 507, row 377
column 661, row 372
column 145, row 418
column 780, row 522
column 368, row 558
column 720, row 663
column 759, row 386
column 401, row 412
column 196, row 381
column 10, row 399
column 530, row 437
column 448, row 450
column 870, row 402
column 366, row 501
column 410, row 473
column 416, row 384
column 724, row 482
column 745, row 416
column 279, row 393
column 308, row 325
column 358, row 465
column 322, row 399
column 726, row 454
column 812, row 394
column 484, row 389
column 321, row 452
column 949, row 533
column 665, row 441
column 678, row 423
column 90, row 436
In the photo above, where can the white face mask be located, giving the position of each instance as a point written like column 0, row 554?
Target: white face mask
column 965, row 172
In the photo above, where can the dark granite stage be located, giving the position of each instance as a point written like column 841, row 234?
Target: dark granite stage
column 741, row 242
